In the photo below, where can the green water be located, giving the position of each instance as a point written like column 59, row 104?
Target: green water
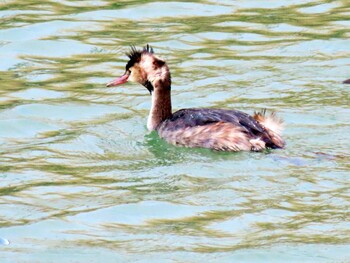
column 82, row 180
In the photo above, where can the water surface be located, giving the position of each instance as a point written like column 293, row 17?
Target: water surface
column 83, row 180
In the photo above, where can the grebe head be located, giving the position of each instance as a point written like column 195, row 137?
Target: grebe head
column 145, row 68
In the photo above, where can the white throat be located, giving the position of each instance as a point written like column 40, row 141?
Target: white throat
column 151, row 123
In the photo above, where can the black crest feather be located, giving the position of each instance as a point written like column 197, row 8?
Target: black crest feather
column 135, row 54
column 148, row 49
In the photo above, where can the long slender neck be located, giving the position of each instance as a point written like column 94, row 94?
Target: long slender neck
column 161, row 105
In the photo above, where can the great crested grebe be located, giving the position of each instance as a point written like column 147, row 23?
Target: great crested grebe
column 218, row 129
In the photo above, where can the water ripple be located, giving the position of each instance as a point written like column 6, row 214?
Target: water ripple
column 81, row 177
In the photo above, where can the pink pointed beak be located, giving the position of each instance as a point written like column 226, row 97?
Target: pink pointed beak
column 118, row 81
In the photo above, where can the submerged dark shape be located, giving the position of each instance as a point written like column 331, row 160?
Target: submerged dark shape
column 346, row 81
column 218, row 129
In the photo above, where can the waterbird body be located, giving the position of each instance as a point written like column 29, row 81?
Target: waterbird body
column 218, row 129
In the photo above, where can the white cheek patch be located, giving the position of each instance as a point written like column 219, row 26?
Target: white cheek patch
column 131, row 78
column 135, row 74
